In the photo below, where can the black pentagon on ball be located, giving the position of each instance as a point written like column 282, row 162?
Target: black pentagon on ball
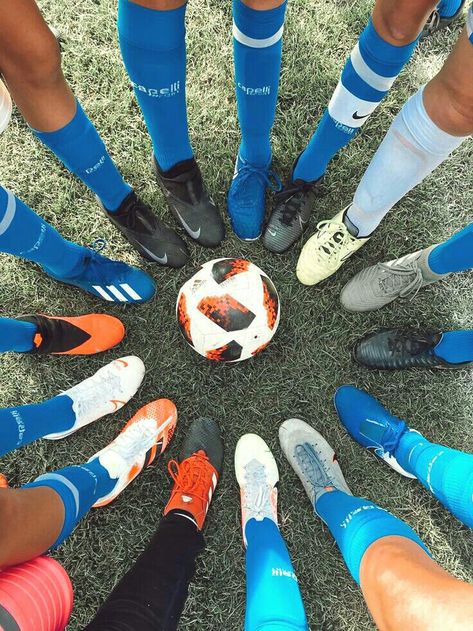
column 226, row 268
column 229, row 353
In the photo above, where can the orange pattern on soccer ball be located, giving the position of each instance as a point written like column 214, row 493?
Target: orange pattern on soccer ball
column 227, row 312
column 183, row 318
column 270, row 302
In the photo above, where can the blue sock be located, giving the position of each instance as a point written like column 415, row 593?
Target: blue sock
column 367, row 77
column 356, row 523
column 455, row 254
column 447, row 8
column 257, row 49
column 456, row 347
column 446, row 473
column 273, row 598
column 79, row 487
column 16, row 335
column 153, row 45
column 23, row 233
column 469, row 23
column 81, row 149
column 25, row 423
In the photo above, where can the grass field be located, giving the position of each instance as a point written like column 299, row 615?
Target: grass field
column 310, row 355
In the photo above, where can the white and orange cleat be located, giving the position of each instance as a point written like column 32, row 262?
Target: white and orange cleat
column 144, row 437
column 257, row 474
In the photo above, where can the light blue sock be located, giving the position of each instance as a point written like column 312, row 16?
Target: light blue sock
column 257, row 49
column 447, row 8
column 469, row 23
column 23, row 233
column 367, row 77
column 356, row 523
column 153, row 45
column 81, row 149
column 273, row 598
column 79, row 487
column 456, row 347
column 446, row 473
column 24, row 424
column 16, row 335
column 455, row 254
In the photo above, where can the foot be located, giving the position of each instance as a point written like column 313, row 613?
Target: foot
column 291, row 215
column 312, row 459
column 82, row 335
column 104, row 393
column 190, row 202
column 397, row 349
column 257, row 474
column 247, row 198
column 197, row 472
column 370, row 424
column 326, row 251
column 5, row 107
column 109, row 280
column 148, row 234
column 377, row 286
column 144, row 437
column 436, row 21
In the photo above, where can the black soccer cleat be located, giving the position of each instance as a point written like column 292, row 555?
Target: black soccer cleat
column 291, row 215
column 190, row 203
column 398, row 349
column 436, row 22
column 147, row 233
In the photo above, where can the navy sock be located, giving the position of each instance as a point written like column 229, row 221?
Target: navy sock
column 456, row 347
column 23, row 233
column 25, row 423
column 79, row 487
column 455, row 254
column 153, row 45
column 16, row 335
column 447, row 8
column 257, row 47
column 81, row 149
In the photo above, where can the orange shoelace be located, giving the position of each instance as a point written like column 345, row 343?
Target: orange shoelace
column 191, row 476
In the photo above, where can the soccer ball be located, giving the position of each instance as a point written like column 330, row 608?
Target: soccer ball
column 229, row 310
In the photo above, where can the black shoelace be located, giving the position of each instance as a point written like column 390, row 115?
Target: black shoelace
column 291, row 200
column 414, row 345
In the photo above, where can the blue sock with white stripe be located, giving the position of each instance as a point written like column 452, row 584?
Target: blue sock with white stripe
column 79, row 487
column 82, row 151
column 16, row 335
column 23, row 233
column 25, row 423
column 257, row 48
column 153, row 45
column 454, row 254
column 447, row 8
column 367, row 77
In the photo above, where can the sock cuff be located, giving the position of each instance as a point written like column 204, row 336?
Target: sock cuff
column 258, row 29
column 381, row 56
column 151, row 29
column 74, row 128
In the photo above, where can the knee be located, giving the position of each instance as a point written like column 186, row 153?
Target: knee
column 400, row 28
column 39, row 64
column 457, row 105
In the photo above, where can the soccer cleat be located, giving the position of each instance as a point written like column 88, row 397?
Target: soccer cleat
column 436, row 22
column 380, row 284
column 143, row 438
column 291, row 215
column 82, row 335
column 190, row 202
column 5, row 107
column 247, row 198
column 397, row 349
column 312, row 458
column 3, row 482
column 257, row 474
column 104, row 393
column 197, row 472
column 109, row 280
column 148, row 234
column 370, row 424
column 326, row 251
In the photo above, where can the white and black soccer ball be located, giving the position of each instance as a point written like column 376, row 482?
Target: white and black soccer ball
column 229, row 310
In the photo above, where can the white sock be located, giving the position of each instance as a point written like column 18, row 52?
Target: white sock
column 413, row 147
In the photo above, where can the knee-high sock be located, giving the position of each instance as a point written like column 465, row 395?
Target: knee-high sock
column 455, row 254
column 456, row 347
column 153, row 45
column 257, row 49
column 273, row 598
column 25, row 423
column 23, row 233
column 82, row 151
column 469, row 23
column 79, row 487
column 446, row 473
column 16, row 335
column 356, row 523
column 367, row 77
column 413, row 147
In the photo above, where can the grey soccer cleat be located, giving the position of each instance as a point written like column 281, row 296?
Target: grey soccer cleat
column 312, row 459
column 377, row 286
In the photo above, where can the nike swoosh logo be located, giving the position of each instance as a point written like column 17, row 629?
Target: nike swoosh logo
column 272, row 233
column 160, row 259
column 357, row 117
column 195, row 234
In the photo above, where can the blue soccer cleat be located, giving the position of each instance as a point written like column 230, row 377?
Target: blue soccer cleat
column 247, row 198
column 109, row 280
column 370, row 424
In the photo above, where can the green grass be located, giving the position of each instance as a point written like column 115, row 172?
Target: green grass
column 309, row 357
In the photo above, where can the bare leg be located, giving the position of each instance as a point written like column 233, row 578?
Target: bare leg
column 399, row 22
